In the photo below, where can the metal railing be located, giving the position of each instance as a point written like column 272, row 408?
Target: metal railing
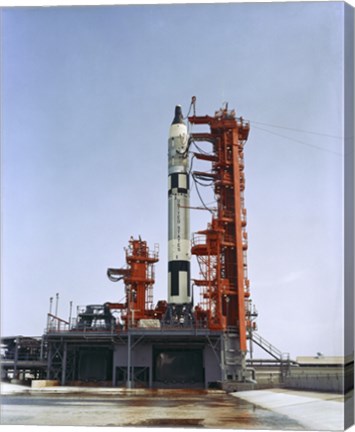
column 56, row 324
column 198, row 239
column 267, row 346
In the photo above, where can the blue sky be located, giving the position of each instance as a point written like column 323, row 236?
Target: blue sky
column 88, row 95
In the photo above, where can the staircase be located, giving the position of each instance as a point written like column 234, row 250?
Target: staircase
column 267, row 346
column 283, row 358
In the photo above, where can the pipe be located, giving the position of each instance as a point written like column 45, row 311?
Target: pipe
column 70, row 312
column 56, row 304
column 253, row 379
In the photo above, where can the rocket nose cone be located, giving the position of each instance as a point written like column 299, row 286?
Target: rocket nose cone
column 179, row 118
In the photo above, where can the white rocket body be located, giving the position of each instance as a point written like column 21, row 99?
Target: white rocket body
column 179, row 246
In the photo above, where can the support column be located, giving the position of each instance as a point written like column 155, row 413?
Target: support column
column 64, row 363
column 17, row 343
column 129, row 360
column 223, row 366
column 49, row 360
column 151, row 370
column 113, row 367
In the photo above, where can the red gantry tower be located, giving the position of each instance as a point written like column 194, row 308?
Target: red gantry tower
column 221, row 249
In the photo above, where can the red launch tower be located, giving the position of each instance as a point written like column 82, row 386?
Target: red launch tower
column 221, row 249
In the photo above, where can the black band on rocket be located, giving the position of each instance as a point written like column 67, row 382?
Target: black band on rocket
column 179, row 181
column 175, row 267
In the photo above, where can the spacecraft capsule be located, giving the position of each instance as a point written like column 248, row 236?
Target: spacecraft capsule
column 178, row 214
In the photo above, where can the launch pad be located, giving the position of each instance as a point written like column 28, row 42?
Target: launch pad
column 177, row 343
column 174, row 343
column 143, row 358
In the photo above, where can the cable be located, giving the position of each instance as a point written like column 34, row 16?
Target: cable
column 187, row 115
column 214, row 202
column 199, row 178
column 192, row 104
column 203, row 184
column 199, row 195
column 300, row 142
column 200, row 149
column 191, row 163
column 298, row 130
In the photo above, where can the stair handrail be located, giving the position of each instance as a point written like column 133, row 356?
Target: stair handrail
column 267, row 346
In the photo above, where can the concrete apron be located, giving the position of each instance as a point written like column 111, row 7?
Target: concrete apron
column 313, row 410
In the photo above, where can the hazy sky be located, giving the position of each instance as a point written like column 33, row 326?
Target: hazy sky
column 88, row 95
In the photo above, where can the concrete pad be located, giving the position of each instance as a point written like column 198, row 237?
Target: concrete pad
column 140, row 408
column 8, row 389
column 316, row 411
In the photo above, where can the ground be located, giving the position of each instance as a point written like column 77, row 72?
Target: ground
column 113, row 407
column 260, row 409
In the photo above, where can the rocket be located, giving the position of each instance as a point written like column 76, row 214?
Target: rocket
column 179, row 248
